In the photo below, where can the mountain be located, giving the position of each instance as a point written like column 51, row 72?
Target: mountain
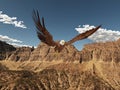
column 5, row 50
column 21, row 54
column 95, row 67
column 108, row 52
column 9, row 52
column 45, row 52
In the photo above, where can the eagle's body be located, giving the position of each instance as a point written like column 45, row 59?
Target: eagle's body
column 47, row 38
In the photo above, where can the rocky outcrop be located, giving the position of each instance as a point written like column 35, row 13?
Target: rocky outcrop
column 108, row 52
column 42, row 52
column 21, row 54
column 47, row 69
column 3, row 67
column 9, row 52
column 5, row 50
column 45, row 52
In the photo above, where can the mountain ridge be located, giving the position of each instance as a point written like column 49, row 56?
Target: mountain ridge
column 108, row 51
column 95, row 67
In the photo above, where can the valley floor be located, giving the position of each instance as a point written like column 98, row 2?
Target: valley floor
column 59, row 75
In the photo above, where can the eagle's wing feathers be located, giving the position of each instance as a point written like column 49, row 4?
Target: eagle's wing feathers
column 83, row 35
column 42, row 32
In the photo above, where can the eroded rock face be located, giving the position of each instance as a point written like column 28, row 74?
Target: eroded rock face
column 100, row 70
column 9, row 52
column 21, row 54
column 42, row 52
column 109, row 51
column 45, row 52
column 5, row 50
column 3, row 67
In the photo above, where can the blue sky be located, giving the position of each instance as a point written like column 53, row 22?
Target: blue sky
column 61, row 19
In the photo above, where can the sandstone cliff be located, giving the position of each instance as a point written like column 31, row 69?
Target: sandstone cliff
column 5, row 50
column 45, row 52
column 42, row 52
column 21, row 54
column 108, row 52
column 44, row 69
column 9, row 52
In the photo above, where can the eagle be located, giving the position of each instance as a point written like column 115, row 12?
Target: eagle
column 47, row 38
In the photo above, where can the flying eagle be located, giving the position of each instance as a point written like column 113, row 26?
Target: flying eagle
column 47, row 38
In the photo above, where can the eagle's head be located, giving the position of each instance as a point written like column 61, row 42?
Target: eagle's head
column 62, row 42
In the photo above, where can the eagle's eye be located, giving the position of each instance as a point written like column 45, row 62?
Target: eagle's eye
column 62, row 42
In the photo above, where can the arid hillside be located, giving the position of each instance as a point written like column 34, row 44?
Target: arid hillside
column 92, row 75
column 96, row 67
column 108, row 52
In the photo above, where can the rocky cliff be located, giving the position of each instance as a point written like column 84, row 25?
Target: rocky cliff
column 108, row 52
column 42, row 52
column 5, row 50
column 21, row 54
column 45, row 52
column 9, row 52
column 96, row 67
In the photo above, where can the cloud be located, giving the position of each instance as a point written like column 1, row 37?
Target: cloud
column 8, row 39
column 4, row 18
column 19, row 45
column 12, row 41
column 102, row 35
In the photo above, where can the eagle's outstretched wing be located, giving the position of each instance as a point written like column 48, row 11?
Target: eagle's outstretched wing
column 42, row 32
column 83, row 35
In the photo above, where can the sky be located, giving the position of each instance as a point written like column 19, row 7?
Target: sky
column 64, row 19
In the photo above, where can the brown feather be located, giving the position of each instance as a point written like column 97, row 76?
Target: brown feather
column 42, row 32
column 83, row 35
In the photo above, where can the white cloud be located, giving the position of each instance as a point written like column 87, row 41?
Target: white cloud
column 102, row 35
column 4, row 18
column 19, row 45
column 8, row 39
column 12, row 41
